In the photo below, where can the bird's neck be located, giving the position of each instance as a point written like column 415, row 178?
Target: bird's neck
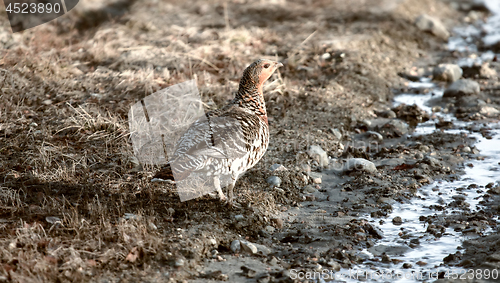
column 251, row 98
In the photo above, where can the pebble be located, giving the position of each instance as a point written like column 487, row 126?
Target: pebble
column 305, row 167
column 318, row 154
column 359, row 164
column 375, row 135
column 447, row 72
column 398, row 127
column 248, row 272
column 274, row 181
column 235, row 246
column 397, row 220
column 463, row 87
column 407, row 265
column 47, row 102
column 421, row 263
column 278, row 222
column 433, row 25
column 466, row 149
column 309, row 189
column 386, row 259
column 489, row 111
column 248, row 247
column 388, row 114
column 270, row 229
column 239, row 217
column 424, row 148
column 179, row 262
column 334, row 265
column 326, row 56
column 437, row 109
column 316, row 177
column 432, row 161
column 277, row 168
column 336, row 133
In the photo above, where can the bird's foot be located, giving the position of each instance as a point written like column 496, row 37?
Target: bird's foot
column 230, row 202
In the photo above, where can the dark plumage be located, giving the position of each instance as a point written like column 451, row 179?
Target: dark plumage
column 226, row 141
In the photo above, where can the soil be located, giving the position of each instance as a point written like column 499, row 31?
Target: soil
column 77, row 206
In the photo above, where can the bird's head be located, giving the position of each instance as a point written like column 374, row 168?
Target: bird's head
column 259, row 72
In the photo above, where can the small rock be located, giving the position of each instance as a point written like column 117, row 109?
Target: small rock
column 489, row 111
column 466, row 149
column 430, row 24
column 336, row 133
column 274, row 181
column 235, row 246
column 278, row 222
column 407, row 265
column 248, row 247
column 316, row 177
column 263, row 250
column 305, row 167
column 277, row 168
column 318, row 154
column 273, row 261
column 179, row 262
column 53, row 219
column 47, row 102
column 270, row 229
column 334, row 265
column 386, row 259
column 463, row 87
column 326, row 56
column 248, row 272
column 309, row 189
column 437, row 109
column 397, row 220
column 375, row 135
column 266, row 278
column 396, row 128
column 421, row 263
column 488, row 72
column 239, row 217
column 447, row 72
column 433, row 162
column 360, row 164
column 388, row 114
column 309, row 198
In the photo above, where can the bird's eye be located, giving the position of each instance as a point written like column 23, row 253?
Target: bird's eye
column 266, row 65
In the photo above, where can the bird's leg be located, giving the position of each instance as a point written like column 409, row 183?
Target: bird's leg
column 230, row 190
column 219, row 190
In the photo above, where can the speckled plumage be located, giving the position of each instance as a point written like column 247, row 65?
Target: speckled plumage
column 230, row 140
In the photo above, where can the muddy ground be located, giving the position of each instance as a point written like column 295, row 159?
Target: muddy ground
column 77, row 206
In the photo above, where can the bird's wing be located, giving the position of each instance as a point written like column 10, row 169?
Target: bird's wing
column 221, row 135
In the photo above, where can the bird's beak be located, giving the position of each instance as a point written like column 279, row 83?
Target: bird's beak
column 278, row 64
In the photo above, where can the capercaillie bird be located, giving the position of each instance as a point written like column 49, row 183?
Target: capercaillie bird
column 227, row 141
